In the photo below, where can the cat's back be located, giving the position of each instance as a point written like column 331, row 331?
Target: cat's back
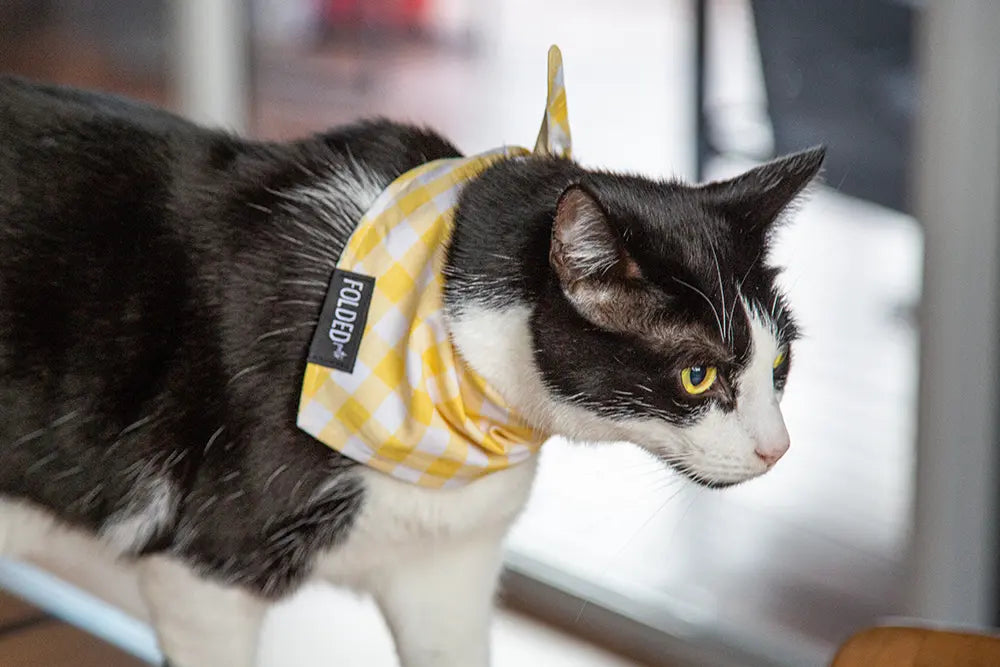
column 26, row 103
column 95, row 280
column 67, row 154
column 158, row 280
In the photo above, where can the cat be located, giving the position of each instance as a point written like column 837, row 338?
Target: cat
column 159, row 286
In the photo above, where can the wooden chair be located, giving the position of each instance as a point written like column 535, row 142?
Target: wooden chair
column 918, row 647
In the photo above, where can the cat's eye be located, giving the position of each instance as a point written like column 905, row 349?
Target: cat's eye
column 698, row 379
column 780, row 359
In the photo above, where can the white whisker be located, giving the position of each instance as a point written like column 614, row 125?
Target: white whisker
column 707, row 300
column 739, row 294
column 722, row 290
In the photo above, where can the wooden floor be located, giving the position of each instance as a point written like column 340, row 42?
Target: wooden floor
column 31, row 638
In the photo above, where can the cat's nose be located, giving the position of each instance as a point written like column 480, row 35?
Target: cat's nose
column 769, row 456
column 773, row 448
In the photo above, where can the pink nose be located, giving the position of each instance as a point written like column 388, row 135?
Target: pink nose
column 771, row 454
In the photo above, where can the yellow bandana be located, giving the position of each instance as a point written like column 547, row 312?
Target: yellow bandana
column 407, row 404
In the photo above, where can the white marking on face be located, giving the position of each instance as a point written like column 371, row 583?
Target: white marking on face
column 729, row 447
column 757, row 400
column 497, row 343
column 720, row 448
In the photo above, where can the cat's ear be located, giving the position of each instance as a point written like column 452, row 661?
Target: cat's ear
column 585, row 246
column 755, row 199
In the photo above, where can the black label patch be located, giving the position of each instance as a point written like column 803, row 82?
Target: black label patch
column 342, row 321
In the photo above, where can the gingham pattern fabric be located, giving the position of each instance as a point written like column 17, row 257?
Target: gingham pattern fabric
column 411, row 407
column 554, row 137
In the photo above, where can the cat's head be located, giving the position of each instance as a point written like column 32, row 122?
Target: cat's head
column 663, row 322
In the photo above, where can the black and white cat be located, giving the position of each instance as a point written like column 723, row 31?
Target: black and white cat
column 157, row 300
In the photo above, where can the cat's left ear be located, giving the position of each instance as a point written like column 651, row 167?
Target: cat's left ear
column 755, row 199
column 585, row 246
column 589, row 257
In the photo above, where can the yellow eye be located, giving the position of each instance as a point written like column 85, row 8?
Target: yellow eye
column 780, row 359
column 697, row 379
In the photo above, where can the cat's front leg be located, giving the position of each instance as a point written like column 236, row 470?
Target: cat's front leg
column 438, row 603
column 199, row 623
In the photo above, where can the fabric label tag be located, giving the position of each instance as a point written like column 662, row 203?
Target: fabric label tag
column 342, row 321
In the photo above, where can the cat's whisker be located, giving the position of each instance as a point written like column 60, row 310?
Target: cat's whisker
column 707, row 300
column 739, row 293
column 722, row 290
column 617, row 554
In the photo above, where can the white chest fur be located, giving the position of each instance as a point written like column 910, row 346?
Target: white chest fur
column 399, row 519
column 431, row 559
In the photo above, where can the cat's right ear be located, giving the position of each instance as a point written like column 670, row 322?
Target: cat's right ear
column 755, row 199
column 585, row 246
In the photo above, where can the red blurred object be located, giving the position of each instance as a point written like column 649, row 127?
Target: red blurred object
column 400, row 14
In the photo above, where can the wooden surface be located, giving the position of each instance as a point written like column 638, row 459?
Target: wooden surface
column 915, row 647
column 29, row 638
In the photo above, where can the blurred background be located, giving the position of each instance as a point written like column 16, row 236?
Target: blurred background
column 885, row 507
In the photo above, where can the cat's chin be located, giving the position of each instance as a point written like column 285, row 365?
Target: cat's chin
column 717, row 484
column 707, row 479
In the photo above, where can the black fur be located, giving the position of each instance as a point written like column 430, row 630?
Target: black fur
column 143, row 261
